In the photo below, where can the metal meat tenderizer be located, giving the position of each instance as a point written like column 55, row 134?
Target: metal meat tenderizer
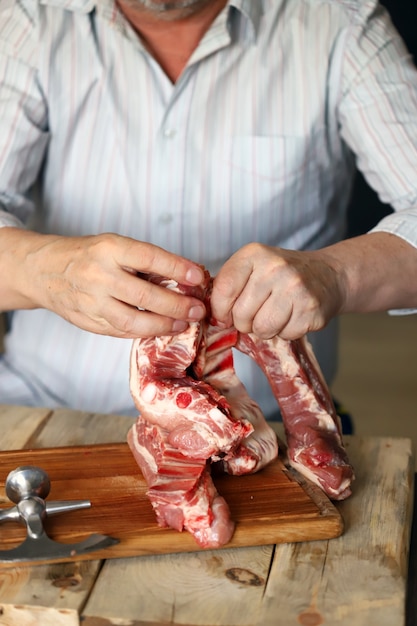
column 27, row 487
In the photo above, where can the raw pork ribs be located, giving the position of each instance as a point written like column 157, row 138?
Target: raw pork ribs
column 194, row 411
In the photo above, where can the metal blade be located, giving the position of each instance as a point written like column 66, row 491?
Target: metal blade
column 44, row 548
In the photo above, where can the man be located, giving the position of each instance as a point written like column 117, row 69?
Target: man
column 154, row 136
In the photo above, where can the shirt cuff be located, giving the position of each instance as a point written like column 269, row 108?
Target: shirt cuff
column 7, row 219
column 403, row 225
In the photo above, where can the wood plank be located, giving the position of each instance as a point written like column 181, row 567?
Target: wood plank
column 22, row 615
column 31, row 427
column 72, row 428
column 211, row 587
column 268, row 507
column 19, row 424
column 62, row 587
column 359, row 578
column 412, row 570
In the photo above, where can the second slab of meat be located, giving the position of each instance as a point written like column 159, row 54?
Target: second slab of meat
column 193, row 411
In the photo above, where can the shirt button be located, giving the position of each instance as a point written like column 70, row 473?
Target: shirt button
column 166, row 218
column 169, row 133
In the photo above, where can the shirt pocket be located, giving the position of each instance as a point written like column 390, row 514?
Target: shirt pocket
column 283, row 160
column 274, row 184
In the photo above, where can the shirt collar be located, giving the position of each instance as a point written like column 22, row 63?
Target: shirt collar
column 251, row 9
column 81, row 6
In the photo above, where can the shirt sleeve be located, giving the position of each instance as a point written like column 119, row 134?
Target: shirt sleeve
column 23, row 111
column 378, row 115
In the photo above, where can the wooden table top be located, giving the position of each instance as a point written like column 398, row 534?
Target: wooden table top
column 358, row 579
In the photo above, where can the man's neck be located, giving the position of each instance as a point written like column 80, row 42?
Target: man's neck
column 171, row 42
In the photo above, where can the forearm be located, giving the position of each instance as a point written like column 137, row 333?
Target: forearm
column 17, row 249
column 377, row 272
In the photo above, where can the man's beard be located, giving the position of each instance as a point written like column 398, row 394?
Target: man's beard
column 180, row 7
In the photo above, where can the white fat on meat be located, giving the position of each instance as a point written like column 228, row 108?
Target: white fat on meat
column 312, row 426
column 180, row 489
column 215, row 363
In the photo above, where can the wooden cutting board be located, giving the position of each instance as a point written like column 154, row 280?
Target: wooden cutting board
column 273, row 506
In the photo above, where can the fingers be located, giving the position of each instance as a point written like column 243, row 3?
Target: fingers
column 146, row 258
column 245, row 291
column 228, row 286
column 257, row 310
column 269, row 291
column 142, row 294
column 123, row 321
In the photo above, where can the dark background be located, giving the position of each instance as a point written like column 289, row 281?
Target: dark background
column 365, row 209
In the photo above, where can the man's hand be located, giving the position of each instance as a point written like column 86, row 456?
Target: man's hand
column 272, row 291
column 92, row 282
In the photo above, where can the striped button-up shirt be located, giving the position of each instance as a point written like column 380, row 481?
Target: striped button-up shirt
column 256, row 141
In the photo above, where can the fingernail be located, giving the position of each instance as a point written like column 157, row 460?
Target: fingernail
column 196, row 313
column 194, row 276
column 178, row 326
